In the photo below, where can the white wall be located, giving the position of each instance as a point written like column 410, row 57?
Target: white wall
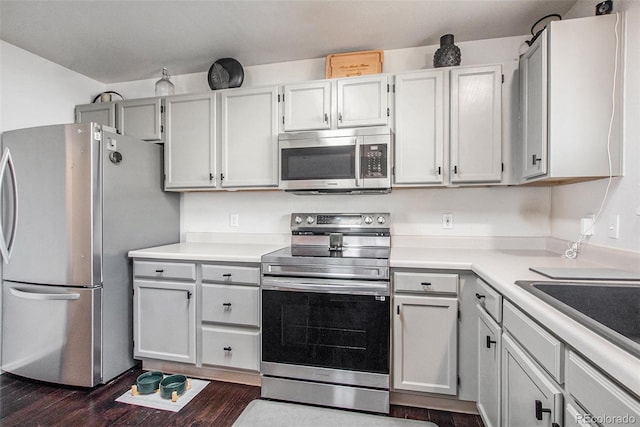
column 37, row 92
column 571, row 202
column 484, row 211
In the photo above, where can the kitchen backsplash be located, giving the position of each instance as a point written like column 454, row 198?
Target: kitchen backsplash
column 484, row 211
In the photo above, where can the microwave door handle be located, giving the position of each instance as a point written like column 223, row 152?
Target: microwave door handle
column 358, row 173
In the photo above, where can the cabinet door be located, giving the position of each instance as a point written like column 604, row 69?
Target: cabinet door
column 250, row 137
column 489, row 351
column 529, row 396
column 141, row 118
column 425, row 337
column 190, row 142
column 533, row 110
column 420, row 127
column 363, row 101
column 476, row 124
column 307, row 106
column 103, row 113
column 164, row 320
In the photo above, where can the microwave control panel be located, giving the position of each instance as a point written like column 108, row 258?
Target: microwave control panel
column 374, row 161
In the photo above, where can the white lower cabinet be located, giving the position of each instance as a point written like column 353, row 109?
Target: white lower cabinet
column 425, row 334
column 206, row 315
column 601, row 401
column 231, row 347
column 529, row 396
column 164, row 320
column 230, row 312
column 489, row 354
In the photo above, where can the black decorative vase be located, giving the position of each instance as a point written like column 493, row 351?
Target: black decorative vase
column 448, row 54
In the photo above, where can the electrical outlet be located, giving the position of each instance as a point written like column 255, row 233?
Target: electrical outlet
column 586, row 226
column 447, row 220
column 234, row 220
column 613, row 227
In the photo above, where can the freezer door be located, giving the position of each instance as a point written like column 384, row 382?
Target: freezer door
column 52, row 333
column 58, row 219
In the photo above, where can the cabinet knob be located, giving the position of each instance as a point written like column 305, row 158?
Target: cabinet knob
column 540, row 410
column 489, row 341
column 480, row 297
column 227, row 349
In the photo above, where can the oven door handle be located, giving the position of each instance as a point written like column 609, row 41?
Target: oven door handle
column 321, row 286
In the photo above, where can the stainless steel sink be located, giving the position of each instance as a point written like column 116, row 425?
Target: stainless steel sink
column 611, row 310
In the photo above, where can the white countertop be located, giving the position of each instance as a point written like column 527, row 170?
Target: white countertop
column 203, row 251
column 499, row 268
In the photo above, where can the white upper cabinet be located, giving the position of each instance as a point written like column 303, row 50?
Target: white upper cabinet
column 103, row 113
column 570, row 107
column 363, row 101
column 420, row 127
column 336, row 103
column 476, row 124
column 448, row 126
column 307, row 106
column 249, row 137
column 190, row 142
column 141, row 118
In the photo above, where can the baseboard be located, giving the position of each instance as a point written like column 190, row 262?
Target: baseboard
column 433, row 402
column 210, row 373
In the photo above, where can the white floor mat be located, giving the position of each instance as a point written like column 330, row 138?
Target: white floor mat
column 154, row 400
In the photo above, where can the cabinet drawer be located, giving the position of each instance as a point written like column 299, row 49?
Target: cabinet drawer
column 490, row 299
column 426, row 282
column 233, row 348
column 603, row 399
column 544, row 347
column 230, row 274
column 230, row 304
column 165, row 270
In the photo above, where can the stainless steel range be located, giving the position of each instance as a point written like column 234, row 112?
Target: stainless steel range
column 326, row 313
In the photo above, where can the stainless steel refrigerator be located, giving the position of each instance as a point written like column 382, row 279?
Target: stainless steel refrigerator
column 75, row 199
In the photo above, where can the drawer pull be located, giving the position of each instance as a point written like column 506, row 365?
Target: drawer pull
column 159, row 270
column 540, row 410
column 425, row 284
column 227, row 349
column 227, row 304
column 489, row 341
column 226, row 275
column 478, row 296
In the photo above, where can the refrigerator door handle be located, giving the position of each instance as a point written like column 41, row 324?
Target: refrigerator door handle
column 6, row 249
column 43, row 296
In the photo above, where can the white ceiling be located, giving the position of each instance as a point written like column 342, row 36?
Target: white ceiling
column 114, row 41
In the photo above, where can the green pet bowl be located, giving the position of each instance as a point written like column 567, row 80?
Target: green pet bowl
column 149, row 382
column 171, row 383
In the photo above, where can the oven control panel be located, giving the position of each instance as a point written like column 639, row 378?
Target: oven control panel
column 343, row 220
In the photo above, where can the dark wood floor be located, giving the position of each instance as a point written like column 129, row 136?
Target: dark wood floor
column 31, row 403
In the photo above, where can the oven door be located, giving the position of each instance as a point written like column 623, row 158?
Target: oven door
column 329, row 330
column 320, row 164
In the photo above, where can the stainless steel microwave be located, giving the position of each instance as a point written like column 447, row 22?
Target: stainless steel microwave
column 336, row 161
